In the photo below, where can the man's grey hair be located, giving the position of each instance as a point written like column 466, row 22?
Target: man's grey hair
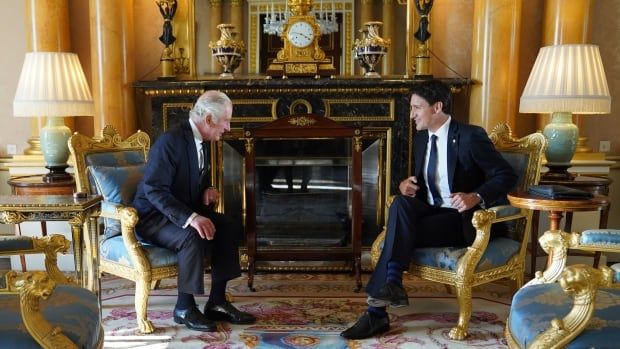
column 212, row 103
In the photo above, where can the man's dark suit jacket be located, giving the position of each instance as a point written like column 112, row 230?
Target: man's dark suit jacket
column 171, row 186
column 474, row 165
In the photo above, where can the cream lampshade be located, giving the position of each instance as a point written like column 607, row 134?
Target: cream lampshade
column 52, row 84
column 565, row 80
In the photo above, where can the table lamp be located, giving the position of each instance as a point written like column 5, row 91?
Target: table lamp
column 52, row 84
column 565, row 80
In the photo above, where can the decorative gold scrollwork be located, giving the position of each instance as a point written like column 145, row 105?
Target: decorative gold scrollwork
column 11, row 217
column 302, row 121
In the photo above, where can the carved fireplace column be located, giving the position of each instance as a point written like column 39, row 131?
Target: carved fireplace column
column 495, row 60
column 236, row 19
column 566, row 22
column 215, row 18
column 113, row 67
column 388, row 33
column 47, row 29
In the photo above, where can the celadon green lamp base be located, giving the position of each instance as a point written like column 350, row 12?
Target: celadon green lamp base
column 54, row 137
column 562, row 136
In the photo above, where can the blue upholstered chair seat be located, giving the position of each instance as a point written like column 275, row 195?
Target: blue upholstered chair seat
column 498, row 252
column 73, row 308
column 600, row 237
column 113, row 249
column 533, row 307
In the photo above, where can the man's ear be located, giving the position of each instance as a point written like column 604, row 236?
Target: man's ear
column 209, row 119
column 438, row 106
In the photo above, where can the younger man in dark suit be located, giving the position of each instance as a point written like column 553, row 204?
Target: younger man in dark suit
column 174, row 204
column 457, row 170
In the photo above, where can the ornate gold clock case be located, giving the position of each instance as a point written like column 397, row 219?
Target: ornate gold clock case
column 301, row 54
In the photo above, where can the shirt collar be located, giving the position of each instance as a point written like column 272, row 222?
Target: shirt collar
column 442, row 131
column 195, row 132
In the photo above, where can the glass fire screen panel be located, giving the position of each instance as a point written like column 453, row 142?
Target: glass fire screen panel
column 303, row 193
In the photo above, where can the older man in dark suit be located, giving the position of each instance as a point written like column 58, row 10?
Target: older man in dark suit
column 174, row 202
column 457, row 170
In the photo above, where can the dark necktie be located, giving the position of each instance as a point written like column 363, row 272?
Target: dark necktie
column 204, row 170
column 431, row 170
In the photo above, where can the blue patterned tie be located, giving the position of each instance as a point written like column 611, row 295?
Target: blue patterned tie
column 431, row 170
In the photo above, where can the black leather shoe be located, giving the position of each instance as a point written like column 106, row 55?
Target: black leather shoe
column 367, row 326
column 193, row 319
column 227, row 312
column 395, row 294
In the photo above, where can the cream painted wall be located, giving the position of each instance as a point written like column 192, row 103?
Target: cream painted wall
column 13, row 42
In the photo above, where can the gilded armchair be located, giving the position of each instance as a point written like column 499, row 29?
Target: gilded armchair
column 487, row 259
column 45, row 308
column 569, row 307
column 112, row 167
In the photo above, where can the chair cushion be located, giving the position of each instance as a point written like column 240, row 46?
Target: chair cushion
column 533, row 307
column 74, row 309
column 113, row 249
column 117, row 185
column 12, row 243
column 609, row 237
column 498, row 252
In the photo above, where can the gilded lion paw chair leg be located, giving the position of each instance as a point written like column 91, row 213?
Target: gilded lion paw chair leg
column 44, row 308
column 573, row 306
column 490, row 257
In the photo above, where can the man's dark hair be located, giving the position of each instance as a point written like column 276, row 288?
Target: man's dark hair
column 434, row 91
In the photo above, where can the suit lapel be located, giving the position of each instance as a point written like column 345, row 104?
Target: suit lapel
column 453, row 150
column 192, row 155
column 420, row 153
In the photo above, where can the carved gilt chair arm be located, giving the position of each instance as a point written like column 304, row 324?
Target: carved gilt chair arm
column 32, row 288
column 556, row 244
column 129, row 218
column 482, row 221
column 581, row 282
column 50, row 246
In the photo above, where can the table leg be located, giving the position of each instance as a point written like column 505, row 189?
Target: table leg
column 77, row 234
column 534, row 242
column 555, row 217
column 568, row 223
column 602, row 224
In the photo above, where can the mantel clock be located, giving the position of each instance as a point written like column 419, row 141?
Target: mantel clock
column 301, row 54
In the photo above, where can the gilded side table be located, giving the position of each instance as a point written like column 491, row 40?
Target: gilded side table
column 81, row 213
column 556, row 209
column 34, row 185
column 591, row 184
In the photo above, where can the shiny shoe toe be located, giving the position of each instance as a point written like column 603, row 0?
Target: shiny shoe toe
column 367, row 326
column 193, row 319
column 227, row 312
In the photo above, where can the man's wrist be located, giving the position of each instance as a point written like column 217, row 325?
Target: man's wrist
column 481, row 202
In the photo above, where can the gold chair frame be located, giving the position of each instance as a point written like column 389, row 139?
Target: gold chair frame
column 143, row 274
column 580, row 281
column 466, row 277
column 35, row 286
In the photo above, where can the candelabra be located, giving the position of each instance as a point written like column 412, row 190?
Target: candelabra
column 275, row 20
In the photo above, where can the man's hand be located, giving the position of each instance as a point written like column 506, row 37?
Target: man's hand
column 409, row 186
column 204, row 227
column 210, row 196
column 464, row 201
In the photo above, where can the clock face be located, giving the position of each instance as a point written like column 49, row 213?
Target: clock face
column 300, row 34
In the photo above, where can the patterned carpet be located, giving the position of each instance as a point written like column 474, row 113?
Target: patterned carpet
column 306, row 311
